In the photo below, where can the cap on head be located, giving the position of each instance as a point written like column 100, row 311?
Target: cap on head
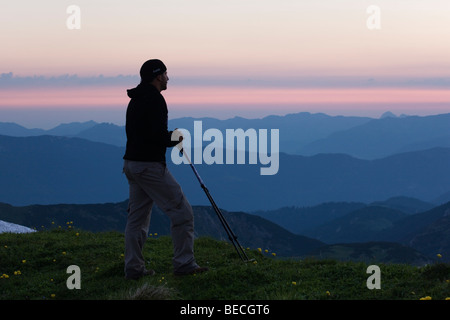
column 151, row 69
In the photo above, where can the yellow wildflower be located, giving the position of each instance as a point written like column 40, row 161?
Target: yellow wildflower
column 426, row 298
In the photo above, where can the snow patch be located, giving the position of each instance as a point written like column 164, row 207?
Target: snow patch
column 13, row 228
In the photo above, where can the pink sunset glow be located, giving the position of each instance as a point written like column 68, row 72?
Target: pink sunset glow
column 108, row 97
column 64, row 97
column 264, row 44
column 274, row 96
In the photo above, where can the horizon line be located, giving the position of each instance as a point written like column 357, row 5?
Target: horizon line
column 385, row 114
column 309, row 80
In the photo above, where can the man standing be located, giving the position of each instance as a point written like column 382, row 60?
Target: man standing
column 149, row 180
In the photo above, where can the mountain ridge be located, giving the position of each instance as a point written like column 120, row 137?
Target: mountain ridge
column 51, row 169
column 387, row 136
column 65, row 165
column 252, row 231
column 301, row 133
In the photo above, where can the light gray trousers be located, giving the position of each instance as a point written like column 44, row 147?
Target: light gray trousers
column 150, row 183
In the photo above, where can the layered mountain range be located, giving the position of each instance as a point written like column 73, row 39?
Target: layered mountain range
column 335, row 176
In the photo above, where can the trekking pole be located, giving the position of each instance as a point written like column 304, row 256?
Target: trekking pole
column 231, row 236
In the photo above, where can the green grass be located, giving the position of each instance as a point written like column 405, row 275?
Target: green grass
column 34, row 266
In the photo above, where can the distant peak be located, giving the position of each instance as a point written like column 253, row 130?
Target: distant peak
column 388, row 114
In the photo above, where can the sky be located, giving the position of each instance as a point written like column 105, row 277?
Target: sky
column 64, row 61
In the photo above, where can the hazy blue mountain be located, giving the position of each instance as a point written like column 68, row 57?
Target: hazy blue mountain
column 302, row 219
column 15, row 130
column 443, row 198
column 104, row 132
column 433, row 239
column 49, row 169
column 410, row 226
column 71, row 129
column 442, row 141
column 300, row 133
column 306, row 181
column 362, row 225
column 388, row 114
column 427, row 232
column 386, row 136
column 296, row 130
column 405, row 204
column 64, row 129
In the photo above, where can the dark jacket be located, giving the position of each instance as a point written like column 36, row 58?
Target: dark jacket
column 146, row 125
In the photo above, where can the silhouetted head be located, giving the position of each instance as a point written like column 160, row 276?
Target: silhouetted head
column 155, row 72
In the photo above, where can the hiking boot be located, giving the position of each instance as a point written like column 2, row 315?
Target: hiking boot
column 193, row 271
column 146, row 272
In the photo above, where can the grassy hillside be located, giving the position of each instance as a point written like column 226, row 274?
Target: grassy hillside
column 34, row 266
column 252, row 230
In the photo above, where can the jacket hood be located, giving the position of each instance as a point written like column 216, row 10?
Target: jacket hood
column 141, row 90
